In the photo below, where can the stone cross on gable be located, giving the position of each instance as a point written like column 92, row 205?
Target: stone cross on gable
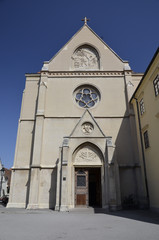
column 85, row 20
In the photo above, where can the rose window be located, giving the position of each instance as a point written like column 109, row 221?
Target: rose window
column 86, row 97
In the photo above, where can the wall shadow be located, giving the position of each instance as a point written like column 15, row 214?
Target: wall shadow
column 131, row 182
column 148, row 216
column 52, row 191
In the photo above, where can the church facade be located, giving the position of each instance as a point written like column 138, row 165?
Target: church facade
column 76, row 142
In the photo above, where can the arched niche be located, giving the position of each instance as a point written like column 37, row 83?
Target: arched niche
column 87, row 154
column 85, row 57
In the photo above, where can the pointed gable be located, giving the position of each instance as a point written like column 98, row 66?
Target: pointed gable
column 89, row 40
column 87, row 127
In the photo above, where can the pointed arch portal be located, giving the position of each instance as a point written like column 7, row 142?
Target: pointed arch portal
column 88, row 163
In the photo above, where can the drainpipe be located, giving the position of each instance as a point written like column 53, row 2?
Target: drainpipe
column 60, row 192
column 143, row 155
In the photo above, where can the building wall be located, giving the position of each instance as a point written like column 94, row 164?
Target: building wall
column 150, row 123
column 49, row 113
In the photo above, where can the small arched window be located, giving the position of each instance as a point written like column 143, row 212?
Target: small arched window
column 85, row 58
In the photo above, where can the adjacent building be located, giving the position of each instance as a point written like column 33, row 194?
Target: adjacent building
column 146, row 106
column 76, row 143
column 5, row 176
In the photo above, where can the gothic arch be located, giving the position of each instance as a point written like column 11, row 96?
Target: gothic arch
column 88, row 153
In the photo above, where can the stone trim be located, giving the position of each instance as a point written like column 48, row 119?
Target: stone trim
column 43, row 167
column 80, row 73
column 87, row 165
column 145, row 127
column 16, row 205
column 22, row 168
column 26, row 120
column 129, row 166
column 33, row 166
column 84, row 73
column 88, row 137
column 130, row 115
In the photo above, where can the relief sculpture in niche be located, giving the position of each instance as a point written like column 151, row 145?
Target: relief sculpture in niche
column 87, row 128
column 85, row 58
column 87, row 156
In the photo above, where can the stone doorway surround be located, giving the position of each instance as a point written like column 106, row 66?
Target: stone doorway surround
column 110, row 186
column 87, row 149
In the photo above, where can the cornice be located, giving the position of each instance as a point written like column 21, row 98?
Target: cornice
column 35, row 166
column 85, row 73
column 75, row 117
column 82, row 73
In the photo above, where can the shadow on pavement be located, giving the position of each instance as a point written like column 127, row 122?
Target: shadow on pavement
column 139, row 215
column 148, row 216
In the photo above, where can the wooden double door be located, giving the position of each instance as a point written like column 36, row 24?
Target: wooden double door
column 88, row 187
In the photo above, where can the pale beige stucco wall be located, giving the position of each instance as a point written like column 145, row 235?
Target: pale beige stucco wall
column 63, row 61
column 50, row 113
column 55, row 129
column 150, row 122
column 61, row 90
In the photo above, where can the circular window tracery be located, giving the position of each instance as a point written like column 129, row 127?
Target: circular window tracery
column 86, row 96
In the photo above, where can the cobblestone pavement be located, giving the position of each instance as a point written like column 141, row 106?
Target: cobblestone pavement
column 93, row 224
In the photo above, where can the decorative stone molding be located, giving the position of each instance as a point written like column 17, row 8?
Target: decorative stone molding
column 109, row 141
column 45, row 66
column 130, row 84
column 87, row 128
column 22, row 168
column 44, row 167
column 83, row 73
column 85, row 57
column 127, row 66
column 145, row 127
column 65, row 142
column 43, row 84
column 87, row 156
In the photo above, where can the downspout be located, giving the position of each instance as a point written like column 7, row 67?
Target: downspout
column 143, row 155
column 60, row 192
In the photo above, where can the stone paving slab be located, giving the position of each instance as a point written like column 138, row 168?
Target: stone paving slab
column 83, row 224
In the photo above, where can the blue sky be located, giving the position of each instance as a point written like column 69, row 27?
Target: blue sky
column 32, row 31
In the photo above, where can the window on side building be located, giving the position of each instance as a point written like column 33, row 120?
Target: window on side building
column 142, row 107
column 146, row 139
column 156, row 85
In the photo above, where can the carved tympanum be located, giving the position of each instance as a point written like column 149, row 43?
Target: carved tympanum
column 87, row 156
column 85, row 57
